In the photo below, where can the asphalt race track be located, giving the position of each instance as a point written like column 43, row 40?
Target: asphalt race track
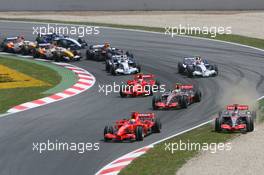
column 83, row 117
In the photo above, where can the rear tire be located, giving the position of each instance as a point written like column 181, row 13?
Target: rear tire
column 184, row 102
column 216, row 70
column 157, row 126
column 89, row 55
column 198, row 96
column 139, row 68
column 250, row 124
column 139, row 133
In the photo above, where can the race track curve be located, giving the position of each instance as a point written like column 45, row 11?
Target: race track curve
column 83, row 117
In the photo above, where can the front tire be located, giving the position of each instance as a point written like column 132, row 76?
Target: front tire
column 180, row 68
column 113, row 71
column 155, row 99
column 218, row 125
column 122, row 94
column 108, row 130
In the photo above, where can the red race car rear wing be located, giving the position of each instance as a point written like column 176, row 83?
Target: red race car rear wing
column 239, row 107
column 186, row 86
column 142, row 76
column 148, row 115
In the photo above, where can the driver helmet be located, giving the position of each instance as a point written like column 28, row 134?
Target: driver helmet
column 106, row 44
column 20, row 38
column 177, row 88
column 124, row 57
column 132, row 121
column 236, row 108
column 140, row 78
column 198, row 59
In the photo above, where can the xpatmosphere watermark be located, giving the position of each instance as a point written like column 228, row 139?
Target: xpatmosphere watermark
column 192, row 146
column 116, row 88
column 80, row 147
column 78, row 31
column 212, row 31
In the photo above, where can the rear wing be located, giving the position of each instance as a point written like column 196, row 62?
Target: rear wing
column 146, row 115
column 189, row 58
column 143, row 116
column 238, row 107
column 185, row 86
column 12, row 38
column 140, row 76
column 44, row 44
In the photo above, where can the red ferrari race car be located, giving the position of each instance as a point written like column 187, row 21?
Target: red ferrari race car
column 235, row 118
column 135, row 128
column 141, row 85
column 181, row 97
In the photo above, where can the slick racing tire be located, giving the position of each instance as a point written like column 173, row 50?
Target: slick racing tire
column 157, row 126
column 198, row 96
column 122, row 94
column 139, row 133
column 250, row 124
column 157, row 83
column 180, row 68
column 155, row 99
column 107, row 66
column 112, row 70
column 184, row 102
column 36, row 55
column 216, row 70
column 139, row 69
column 89, row 55
column 108, row 130
column 218, row 122
column 190, row 72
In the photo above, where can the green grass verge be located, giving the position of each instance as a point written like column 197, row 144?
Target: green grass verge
column 159, row 161
column 12, row 97
column 261, row 111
